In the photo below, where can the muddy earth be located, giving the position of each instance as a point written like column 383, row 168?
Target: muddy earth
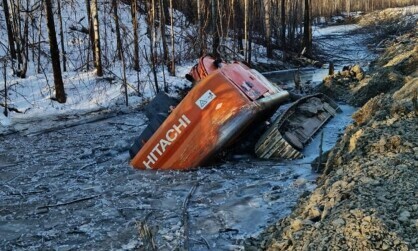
column 367, row 198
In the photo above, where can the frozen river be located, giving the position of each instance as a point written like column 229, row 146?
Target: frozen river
column 73, row 188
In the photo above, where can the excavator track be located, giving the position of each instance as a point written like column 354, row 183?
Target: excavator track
column 294, row 129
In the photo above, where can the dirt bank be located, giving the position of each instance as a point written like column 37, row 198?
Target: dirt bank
column 367, row 198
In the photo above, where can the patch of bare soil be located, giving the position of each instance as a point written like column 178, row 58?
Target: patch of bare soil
column 367, row 197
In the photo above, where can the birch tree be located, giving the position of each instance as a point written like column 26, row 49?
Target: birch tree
column 267, row 24
column 91, row 32
column 96, row 42
column 63, row 53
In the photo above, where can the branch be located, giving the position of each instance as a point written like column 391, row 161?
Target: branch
column 186, row 214
column 69, row 203
column 12, row 109
column 81, row 29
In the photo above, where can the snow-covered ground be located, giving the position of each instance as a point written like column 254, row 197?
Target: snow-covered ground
column 86, row 93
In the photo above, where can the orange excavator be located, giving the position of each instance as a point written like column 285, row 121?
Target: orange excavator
column 226, row 99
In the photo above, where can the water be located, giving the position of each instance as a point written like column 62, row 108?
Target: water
column 339, row 46
column 74, row 189
column 308, row 75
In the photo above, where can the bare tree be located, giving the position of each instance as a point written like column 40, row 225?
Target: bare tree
column 267, row 23
column 250, row 31
column 20, row 35
column 162, row 30
column 9, row 27
column 214, row 29
column 135, row 32
column 117, row 27
column 6, row 111
column 173, row 56
column 39, row 39
column 24, row 40
column 91, row 32
column 55, row 60
column 246, row 20
column 96, row 43
column 151, row 33
column 38, row 60
column 283, row 28
column 307, row 35
column 64, row 57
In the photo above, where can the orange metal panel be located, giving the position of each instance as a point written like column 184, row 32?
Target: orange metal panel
column 202, row 69
column 211, row 115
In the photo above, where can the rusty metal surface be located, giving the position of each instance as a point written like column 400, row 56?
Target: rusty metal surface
column 203, row 68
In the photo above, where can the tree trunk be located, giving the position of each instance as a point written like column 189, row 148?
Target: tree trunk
column 250, row 32
column 267, row 23
column 125, row 83
column 283, row 22
column 91, row 32
column 39, row 40
column 173, row 55
column 215, row 34
column 151, row 32
column 307, row 35
column 118, row 37
column 25, row 46
column 15, row 15
column 96, row 44
column 162, row 29
column 53, row 45
column 246, row 30
column 348, row 3
column 64, row 56
column 238, row 27
column 9, row 28
column 134, row 12
column 199, row 24
column 6, row 111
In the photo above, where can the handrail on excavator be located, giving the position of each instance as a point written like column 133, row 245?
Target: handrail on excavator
column 229, row 53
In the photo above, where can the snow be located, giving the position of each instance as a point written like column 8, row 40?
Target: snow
column 86, row 92
column 4, row 121
column 333, row 30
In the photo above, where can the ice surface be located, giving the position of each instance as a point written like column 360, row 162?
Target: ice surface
column 74, row 187
column 66, row 183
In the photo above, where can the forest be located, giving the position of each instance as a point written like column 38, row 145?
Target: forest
column 70, row 35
